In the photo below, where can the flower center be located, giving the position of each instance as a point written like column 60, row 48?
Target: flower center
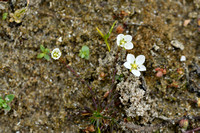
column 55, row 54
column 122, row 42
column 134, row 66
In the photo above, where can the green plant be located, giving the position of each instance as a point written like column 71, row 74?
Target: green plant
column 4, row 16
column 106, row 36
column 44, row 53
column 18, row 15
column 4, row 102
column 84, row 52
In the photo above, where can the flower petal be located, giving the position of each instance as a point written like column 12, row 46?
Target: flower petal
column 140, row 59
column 136, row 72
column 127, row 65
column 128, row 45
column 128, row 38
column 142, row 68
column 119, row 37
column 130, row 58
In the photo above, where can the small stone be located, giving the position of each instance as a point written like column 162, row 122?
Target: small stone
column 183, row 58
column 193, row 14
column 60, row 39
column 177, row 44
column 159, row 74
column 183, row 123
column 2, row 6
column 186, row 22
column 119, row 29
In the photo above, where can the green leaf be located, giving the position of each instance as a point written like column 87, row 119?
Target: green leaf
column 4, row 16
column 1, row 101
column 7, row 108
column 1, row 97
column 87, row 57
column 82, row 55
column 85, row 48
column 99, row 131
column 47, row 57
column 108, row 35
column 100, row 32
column 40, row 55
column 84, row 52
column 47, row 51
column 9, row 98
column 42, row 48
column 4, row 105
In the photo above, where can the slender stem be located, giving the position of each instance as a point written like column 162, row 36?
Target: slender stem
column 193, row 130
column 106, row 41
column 83, row 81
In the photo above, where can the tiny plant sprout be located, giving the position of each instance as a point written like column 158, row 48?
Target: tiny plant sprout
column 135, row 64
column 125, row 41
column 4, row 16
column 4, row 103
column 106, row 36
column 56, row 53
column 44, row 53
column 84, row 52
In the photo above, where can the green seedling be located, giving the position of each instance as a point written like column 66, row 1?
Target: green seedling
column 4, row 102
column 4, row 16
column 18, row 15
column 106, row 36
column 44, row 53
column 84, row 52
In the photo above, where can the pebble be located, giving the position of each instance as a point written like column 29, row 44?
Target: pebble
column 183, row 58
column 177, row 44
column 193, row 14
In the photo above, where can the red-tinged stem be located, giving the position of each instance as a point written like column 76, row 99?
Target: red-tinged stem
column 83, row 81
column 193, row 130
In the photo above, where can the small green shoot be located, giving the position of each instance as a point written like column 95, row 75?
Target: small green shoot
column 19, row 14
column 119, row 77
column 84, row 52
column 106, row 36
column 4, row 102
column 44, row 53
column 4, row 16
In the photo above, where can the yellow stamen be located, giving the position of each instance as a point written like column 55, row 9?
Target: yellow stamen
column 134, row 66
column 122, row 42
column 55, row 54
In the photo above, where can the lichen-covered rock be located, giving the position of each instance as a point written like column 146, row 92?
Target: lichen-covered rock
column 135, row 101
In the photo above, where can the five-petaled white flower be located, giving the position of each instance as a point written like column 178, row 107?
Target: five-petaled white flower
column 125, row 41
column 56, row 53
column 135, row 64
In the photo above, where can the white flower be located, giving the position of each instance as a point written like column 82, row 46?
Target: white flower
column 125, row 41
column 183, row 58
column 56, row 53
column 135, row 64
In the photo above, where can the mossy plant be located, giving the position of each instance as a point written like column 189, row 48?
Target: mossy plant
column 44, row 53
column 4, row 102
column 84, row 52
column 106, row 36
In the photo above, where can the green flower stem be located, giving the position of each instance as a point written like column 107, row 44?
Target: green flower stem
column 108, row 46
